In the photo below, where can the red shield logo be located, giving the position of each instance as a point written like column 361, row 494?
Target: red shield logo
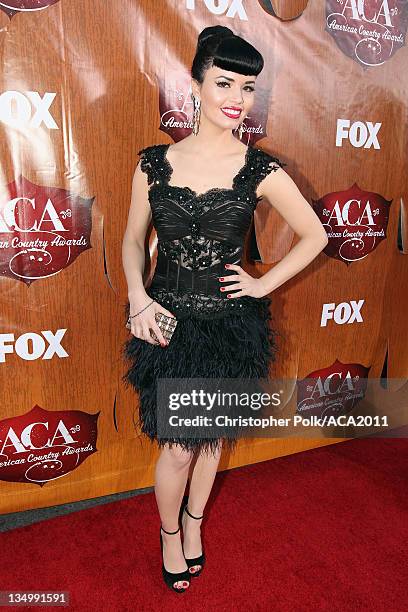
column 368, row 31
column 42, row 230
column 355, row 221
column 332, row 391
column 43, row 445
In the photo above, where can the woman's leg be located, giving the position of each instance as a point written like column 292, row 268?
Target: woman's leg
column 171, row 474
column 201, row 482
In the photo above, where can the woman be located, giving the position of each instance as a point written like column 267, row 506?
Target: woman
column 222, row 330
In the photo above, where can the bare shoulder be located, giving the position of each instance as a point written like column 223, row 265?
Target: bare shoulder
column 182, row 146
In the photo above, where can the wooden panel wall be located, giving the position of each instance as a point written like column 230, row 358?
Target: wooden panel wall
column 85, row 85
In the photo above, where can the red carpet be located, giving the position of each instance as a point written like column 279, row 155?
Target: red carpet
column 325, row 529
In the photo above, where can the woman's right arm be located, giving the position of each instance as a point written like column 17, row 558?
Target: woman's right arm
column 133, row 256
column 133, row 259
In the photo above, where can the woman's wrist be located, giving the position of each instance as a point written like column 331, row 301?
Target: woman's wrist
column 139, row 298
column 263, row 285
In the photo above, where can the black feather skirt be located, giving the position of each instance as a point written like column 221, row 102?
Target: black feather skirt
column 239, row 344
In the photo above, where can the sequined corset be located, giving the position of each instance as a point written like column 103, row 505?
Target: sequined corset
column 198, row 233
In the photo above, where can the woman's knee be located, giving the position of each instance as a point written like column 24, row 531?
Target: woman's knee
column 178, row 455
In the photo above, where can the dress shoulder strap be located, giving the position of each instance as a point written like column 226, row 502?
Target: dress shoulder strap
column 259, row 165
column 263, row 164
column 152, row 163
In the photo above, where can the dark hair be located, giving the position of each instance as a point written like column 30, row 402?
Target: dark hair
column 219, row 46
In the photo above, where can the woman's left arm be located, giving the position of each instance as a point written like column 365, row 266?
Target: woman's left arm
column 283, row 194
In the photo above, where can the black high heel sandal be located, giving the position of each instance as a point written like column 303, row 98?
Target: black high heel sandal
column 170, row 578
column 200, row 560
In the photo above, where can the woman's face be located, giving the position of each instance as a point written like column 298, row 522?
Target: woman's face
column 226, row 97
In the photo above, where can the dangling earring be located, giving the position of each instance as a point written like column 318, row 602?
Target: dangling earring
column 196, row 116
column 241, row 130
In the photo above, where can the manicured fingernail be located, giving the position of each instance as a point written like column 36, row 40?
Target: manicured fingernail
column 227, row 265
column 229, row 295
column 221, row 278
column 222, row 288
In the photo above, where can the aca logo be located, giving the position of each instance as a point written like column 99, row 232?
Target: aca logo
column 345, row 312
column 27, row 109
column 44, row 445
column 42, row 230
column 355, row 221
column 358, row 134
column 11, row 7
column 177, row 109
column 331, row 391
column 368, row 31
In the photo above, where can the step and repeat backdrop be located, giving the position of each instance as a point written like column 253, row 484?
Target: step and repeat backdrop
column 85, row 84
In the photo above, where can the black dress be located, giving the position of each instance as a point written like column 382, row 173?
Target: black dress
column 215, row 336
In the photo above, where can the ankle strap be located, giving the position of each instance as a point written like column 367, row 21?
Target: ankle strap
column 170, row 532
column 189, row 514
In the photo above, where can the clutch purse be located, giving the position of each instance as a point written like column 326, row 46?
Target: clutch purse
column 167, row 325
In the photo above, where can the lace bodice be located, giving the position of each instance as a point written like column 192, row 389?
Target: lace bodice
column 198, row 233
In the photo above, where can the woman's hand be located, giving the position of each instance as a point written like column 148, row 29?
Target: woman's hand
column 141, row 325
column 244, row 282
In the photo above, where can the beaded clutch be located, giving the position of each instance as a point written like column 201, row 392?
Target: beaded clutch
column 167, row 325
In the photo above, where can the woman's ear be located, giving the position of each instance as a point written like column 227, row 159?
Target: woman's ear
column 195, row 89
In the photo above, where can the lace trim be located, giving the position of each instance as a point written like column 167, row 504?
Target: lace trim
column 153, row 164
column 263, row 164
column 198, row 253
column 201, row 204
column 258, row 164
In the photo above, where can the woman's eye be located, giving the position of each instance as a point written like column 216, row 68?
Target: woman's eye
column 247, row 87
